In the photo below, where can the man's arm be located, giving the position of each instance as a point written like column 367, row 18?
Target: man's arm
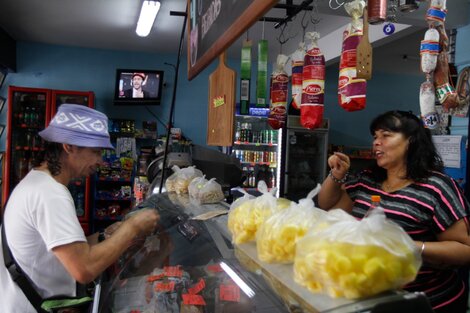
column 85, row 262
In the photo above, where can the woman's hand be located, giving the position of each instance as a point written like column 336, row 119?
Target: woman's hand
column 339, row 164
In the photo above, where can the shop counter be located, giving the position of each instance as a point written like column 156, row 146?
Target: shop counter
column 190, row 265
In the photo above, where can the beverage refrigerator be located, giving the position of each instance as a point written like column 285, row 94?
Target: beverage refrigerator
column 259, row 149
column 305, row 158
column 30, row 111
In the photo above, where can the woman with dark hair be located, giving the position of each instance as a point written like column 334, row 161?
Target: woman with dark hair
column 416, row 194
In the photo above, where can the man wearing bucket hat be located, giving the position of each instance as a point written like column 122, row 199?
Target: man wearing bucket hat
column 40, row 223
column 138, row 81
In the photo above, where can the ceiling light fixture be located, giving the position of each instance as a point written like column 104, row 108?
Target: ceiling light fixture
column 148, row 13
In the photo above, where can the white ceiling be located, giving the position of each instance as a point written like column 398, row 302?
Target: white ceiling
column 110, row 24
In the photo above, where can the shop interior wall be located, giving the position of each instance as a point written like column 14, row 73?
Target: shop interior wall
column 72, row 68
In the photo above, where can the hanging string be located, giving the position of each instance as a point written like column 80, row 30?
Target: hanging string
column 262, row 32
column 304, row 24
column 283, row 38
column 315, row 15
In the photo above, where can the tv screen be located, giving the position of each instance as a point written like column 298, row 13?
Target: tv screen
column 134, row 86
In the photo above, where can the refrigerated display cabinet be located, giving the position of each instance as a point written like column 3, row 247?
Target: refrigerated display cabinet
column 258, row 147
column 30, row 111
column 190, row 265
column 306, row 157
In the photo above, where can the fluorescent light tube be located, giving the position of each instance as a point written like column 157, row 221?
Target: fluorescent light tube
column 148, row 13
column 234, row 276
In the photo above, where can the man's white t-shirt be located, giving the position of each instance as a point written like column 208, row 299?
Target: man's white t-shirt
column 40, row 215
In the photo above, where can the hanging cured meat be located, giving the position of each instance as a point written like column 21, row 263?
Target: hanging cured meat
column 351, row 90
column 313, row 84
column 297, row 67
column 279, row 92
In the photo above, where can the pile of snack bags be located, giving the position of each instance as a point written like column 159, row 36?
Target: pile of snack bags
column 190, row 180
column 331, row 252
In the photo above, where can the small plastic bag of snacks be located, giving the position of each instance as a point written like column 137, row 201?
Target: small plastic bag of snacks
column 210, row 192
column 180, row 179
column 245, row 217
column 277, row 236
column 345, row 257
column 195, row 186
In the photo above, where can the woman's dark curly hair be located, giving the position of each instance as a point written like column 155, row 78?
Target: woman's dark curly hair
column 421, row 156
column 50, row 154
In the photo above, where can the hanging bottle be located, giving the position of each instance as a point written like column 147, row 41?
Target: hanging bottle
column 374, row 204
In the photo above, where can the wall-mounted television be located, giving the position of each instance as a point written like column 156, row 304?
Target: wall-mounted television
column 137, row 86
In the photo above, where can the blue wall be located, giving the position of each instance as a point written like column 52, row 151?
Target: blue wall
column 462, row 47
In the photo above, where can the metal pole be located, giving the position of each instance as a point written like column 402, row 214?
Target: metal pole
column 172, row 108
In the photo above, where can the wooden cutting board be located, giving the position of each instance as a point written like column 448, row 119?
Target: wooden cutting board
column 221, row 112
column 364, row 52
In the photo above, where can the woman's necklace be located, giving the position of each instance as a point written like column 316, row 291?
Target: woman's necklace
column 387, row 187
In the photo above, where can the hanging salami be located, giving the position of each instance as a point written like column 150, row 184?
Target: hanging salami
column 351, row 90
column 297, row 67
column 279, row 92
column 429, row 51
column 427, row 101
column 313, row 84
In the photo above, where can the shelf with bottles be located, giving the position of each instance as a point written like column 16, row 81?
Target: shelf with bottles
column 29, row 116
column 254, row 174
column 256, row 156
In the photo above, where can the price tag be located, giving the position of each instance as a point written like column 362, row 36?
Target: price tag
column 189, row 299
column 229, row 293
column 198, row 287
column 165, row 287
column 215, row 268
column 153, row 278
column 172, row 271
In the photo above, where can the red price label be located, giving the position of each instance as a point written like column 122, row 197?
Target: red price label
column 153, row 278
column 214, row 268
column 172, row 271
column 229, row 293
column 165, row 287
column 189, row 299
column 198, row 287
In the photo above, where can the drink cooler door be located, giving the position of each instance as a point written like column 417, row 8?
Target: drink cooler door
column 306, row 161
column 80, row 189
column 27, row 114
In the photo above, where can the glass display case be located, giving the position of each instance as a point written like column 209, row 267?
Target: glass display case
column 190, row 265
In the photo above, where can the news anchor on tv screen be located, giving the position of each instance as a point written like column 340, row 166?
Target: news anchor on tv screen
column 138, row 81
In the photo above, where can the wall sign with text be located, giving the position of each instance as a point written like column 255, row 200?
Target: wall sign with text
column 215, row 24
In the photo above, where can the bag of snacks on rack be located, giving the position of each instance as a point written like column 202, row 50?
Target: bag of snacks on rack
column 344, row 257
column 276, row 238
column 179, row 181
column 245, row 217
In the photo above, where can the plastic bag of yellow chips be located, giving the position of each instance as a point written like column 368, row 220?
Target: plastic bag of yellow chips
column 179, row 181
column 276, row 238
column 247, row 215
column 344, row 257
